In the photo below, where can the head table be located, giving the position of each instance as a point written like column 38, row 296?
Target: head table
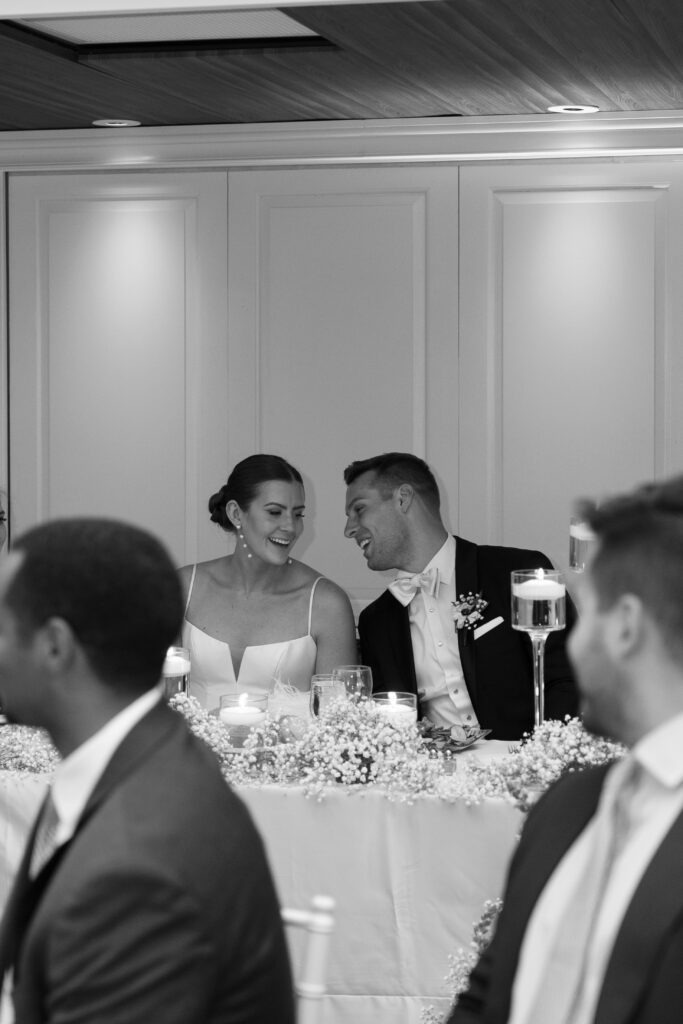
column 409, row 880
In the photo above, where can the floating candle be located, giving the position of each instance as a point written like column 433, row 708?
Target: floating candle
column 242, row 712
column 398, row 708
column 176, row 665
column 539, row 589
column 581, row 531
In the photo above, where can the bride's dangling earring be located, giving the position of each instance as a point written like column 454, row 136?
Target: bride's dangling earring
column 241, row 537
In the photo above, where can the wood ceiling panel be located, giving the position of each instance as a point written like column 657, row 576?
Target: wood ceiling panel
column 516, row 56
column 442, row 58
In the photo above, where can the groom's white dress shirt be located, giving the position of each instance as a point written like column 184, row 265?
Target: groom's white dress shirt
column 653, row 807
column 440, row 680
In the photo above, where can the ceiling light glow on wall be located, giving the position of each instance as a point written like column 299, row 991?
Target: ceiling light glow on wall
column 574, row 108
column 116, row 122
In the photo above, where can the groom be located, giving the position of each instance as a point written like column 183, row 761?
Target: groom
column 442, row 628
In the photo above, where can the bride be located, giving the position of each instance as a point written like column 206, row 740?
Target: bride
column 259, row 616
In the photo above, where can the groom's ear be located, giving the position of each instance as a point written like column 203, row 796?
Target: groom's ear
column 404, row 497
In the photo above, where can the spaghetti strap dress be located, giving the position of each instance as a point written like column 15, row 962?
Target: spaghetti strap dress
column 291, row 662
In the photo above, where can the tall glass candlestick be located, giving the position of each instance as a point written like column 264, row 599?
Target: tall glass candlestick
column 538, row 608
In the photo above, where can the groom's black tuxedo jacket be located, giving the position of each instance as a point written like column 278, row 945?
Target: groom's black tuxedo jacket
column 498, row 667
column 643, row 982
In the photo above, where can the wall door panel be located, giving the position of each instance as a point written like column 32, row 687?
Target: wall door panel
column 343, row 333
column 117, row 355
column 570, row 342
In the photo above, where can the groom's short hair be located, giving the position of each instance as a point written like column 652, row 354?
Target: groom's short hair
column 640, row 551
column 395, row 468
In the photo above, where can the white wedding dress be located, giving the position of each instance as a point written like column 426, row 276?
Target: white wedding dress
column 290, row 662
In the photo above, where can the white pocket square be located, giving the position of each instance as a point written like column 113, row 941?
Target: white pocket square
column 480, row 630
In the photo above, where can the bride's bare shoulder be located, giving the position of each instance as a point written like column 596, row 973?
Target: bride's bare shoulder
column 211, row 570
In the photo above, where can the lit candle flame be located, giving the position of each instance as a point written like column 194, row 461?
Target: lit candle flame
column 243, row 700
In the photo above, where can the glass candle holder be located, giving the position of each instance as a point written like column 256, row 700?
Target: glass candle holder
column 396, row 707
column 176, row 671
column 538, row 608
column 240, row 713
column 581, row 537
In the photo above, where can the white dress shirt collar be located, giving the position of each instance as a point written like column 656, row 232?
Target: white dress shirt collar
column 77, row 775
column 660, row 752
column 443, row 561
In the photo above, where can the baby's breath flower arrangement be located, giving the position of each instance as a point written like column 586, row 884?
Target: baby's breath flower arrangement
column 552, row 749
column 460, row 964
column 24, row 749
column 349, row 744
column 353, row 746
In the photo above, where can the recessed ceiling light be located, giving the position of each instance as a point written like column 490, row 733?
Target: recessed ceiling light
column 574, row 108
column 116, row 122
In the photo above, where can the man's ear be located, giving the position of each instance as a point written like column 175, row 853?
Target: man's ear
column 57, row 644
column 626, row 626
column 405, row 495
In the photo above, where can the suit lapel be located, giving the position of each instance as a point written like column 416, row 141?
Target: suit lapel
column 152, row 730
column 24, row 897
column 657, row 903
column 397, row 625
column 26, row 892
column 466, row 580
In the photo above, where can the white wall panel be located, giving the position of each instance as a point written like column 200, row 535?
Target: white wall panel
column 343, row 332
column 570, row 335
column 117, row 350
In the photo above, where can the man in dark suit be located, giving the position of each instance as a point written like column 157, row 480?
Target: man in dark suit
column 591, row 930
column 473, row 672
column 144, row 896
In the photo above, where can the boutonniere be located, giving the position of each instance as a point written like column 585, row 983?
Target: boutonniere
column 468, row 611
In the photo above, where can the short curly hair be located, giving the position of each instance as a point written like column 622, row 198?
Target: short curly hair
column 113, row 583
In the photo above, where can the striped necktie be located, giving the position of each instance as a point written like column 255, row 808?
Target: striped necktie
column 45, row 842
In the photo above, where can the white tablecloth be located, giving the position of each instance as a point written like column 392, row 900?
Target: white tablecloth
column 409, row 881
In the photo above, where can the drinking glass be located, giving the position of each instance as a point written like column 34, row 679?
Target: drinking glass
column 538, row 608
column 580, row 538
column 324, row 689
column 176, row 671
column 356, row 678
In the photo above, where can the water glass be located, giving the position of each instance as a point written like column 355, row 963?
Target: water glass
column 356, row 678
column 324, row 689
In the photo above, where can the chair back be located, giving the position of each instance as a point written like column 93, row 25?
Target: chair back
column 309, row 985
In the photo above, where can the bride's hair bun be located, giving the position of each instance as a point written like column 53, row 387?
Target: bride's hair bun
column 243, row 484
column 217, row 503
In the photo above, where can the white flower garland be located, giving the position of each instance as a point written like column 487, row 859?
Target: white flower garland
column 352, row 746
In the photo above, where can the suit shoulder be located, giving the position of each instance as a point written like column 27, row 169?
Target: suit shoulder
column 515, row 558
column 572, row 786
column 380, row 606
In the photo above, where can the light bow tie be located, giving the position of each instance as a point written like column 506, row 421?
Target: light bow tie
column 404, row 588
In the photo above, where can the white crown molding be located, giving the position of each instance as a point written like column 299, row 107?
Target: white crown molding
column 316, row 143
